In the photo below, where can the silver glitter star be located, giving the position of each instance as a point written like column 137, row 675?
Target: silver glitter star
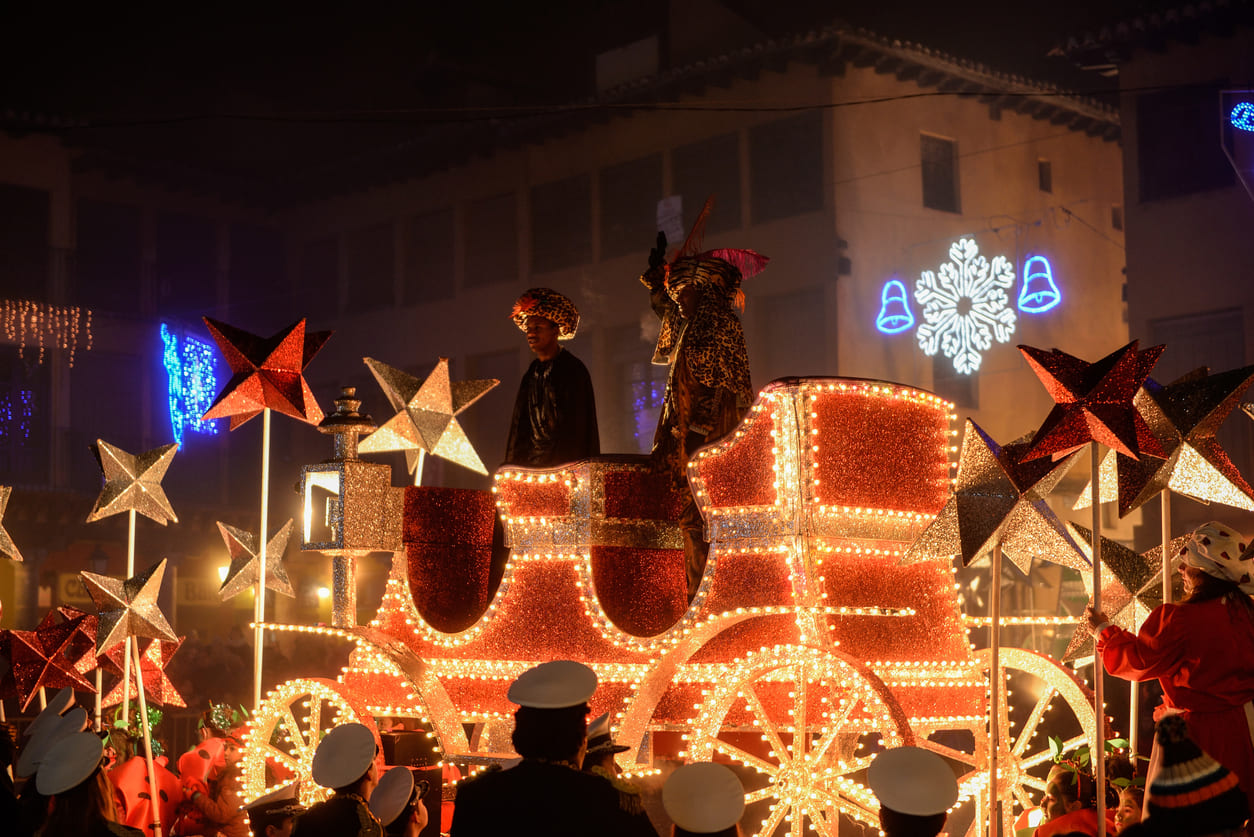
column 245, row 561
column 128, row 607
column 425, row 420
column 7, row 548
column 133, row 482
column 999, row 497
column 1132, row 586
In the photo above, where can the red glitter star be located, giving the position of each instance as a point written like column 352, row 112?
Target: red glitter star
column 268, row 373
column 157, row 686
column 40, row 660
column 80, row 649
column 1093, row 402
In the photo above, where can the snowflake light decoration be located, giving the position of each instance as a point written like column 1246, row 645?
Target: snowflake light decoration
column 965, row 306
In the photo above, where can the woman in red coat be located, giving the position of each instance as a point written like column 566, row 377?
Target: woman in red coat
column 1201, row 650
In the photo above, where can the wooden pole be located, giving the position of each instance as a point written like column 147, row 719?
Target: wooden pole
column 1097, row 749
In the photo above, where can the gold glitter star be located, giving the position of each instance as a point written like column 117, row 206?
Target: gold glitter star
column 7, row 548
column 1184, row 416
column 133, row 482
column 128, row 607
column 426, row 419
column 1000, row 497
column 242, row 574
column 1132, row 586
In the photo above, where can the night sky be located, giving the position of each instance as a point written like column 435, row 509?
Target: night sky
column 304, row 86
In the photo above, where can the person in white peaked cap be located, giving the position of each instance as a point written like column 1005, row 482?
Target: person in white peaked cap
column 545, row 793
column 345, row 763
column 916, row 788
column 704, row 798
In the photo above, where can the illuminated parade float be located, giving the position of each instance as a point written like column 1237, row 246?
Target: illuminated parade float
column 809, row 647
column 826, row 628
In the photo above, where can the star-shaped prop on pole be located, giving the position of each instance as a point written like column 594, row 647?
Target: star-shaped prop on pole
column 267, row 373
column 133, row 482
column 1184, row 416
column 242, row 574
column 426, row 419
column 1093, row 401
column 7, row 547
column 999, row 497
column 1132, row 586
column 80, row 649
column 44, row 658
column 158, row 687
column 128, row 607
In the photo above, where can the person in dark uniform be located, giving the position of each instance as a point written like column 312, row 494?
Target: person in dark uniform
column 345, row 762
column 545, row 793
column 555, row 413
column 81, row 798
column 274, row 815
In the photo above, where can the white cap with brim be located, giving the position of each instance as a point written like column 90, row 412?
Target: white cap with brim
column 343, row 756
column 914, row 781
column 554, row 685
column 392, row 794
column 49, row 734
column 69, row 763
column 60, row 702
column 704, row 798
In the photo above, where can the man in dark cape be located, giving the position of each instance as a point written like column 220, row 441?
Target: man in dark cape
column 555, row 413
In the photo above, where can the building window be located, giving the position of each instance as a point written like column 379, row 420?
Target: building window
column 939, row 158
column 187, row 266
column 1045, row 175
column 106, row 256
column 789, row 328
column 371, row 268
column 1116, row 217
column 628, row 412
column 963, row 390
column 561, row 224
column 629, row 195
column 709, row 168
column 487, row 422
column 430, row 267
column 492, row 240
column 1178, row 146
column 24, row 242
column 786, row 167
column 258, row 268
column 24, row 422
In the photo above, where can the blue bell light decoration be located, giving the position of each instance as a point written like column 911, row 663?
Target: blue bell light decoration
column 1039, row 292
column 895, row 316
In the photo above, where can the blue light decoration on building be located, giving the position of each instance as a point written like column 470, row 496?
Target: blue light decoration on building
column 193, row 383
column 1241, row 116
column 895, row 316
column 17, row 410
column 1039, row 292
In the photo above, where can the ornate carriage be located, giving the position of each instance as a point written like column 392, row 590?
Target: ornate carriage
column 808, row 648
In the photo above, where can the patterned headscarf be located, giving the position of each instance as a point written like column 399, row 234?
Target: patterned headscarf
column 552, row 306
column 1220, row 551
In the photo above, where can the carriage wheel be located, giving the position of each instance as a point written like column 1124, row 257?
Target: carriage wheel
column 800, row 725
column 1045, row 700
column 287, row 727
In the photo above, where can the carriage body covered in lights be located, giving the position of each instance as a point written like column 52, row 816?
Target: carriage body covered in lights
column 808, row 647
